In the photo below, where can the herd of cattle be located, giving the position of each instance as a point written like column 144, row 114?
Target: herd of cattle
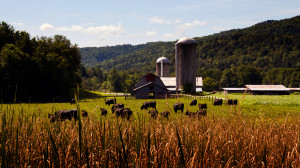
column 120, row 111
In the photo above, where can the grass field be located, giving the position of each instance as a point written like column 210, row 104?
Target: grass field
column 261, row 131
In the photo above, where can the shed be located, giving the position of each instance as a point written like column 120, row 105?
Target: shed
column 268, row 89
column 150, row 86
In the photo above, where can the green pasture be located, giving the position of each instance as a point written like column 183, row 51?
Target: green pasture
column 269, row 108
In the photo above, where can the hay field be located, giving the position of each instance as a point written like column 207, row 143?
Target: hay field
column 246, row 135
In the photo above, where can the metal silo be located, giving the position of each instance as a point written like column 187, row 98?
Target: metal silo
column 186, row 63
column 163, row 67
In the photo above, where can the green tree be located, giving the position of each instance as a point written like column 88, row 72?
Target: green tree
column 228, row 79
column 209, row 84
column 115, row 80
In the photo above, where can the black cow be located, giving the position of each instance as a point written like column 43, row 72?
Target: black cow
column 232, row 102
column 202, row 106
column 202, row 113
column 165, row 114
column 52, row 117
column 218, row 102
column 178, row 106
column 62, row 115
column 191, row 114
column 146, row 105
column 124, row 113
column 193, row 103
column 153, row 113
column 111, row 101
column 116, row 106
column 73, row 101
column 103, row 111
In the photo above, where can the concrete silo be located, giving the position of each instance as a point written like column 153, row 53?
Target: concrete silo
column 163, row 67
column 186, row 63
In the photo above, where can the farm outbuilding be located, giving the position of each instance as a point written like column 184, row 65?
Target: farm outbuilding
column 150, row 86
column 294, row 90
column 268, row 89
column 233, row 90
column 170, row 83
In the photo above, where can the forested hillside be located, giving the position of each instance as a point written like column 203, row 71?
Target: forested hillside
column 268, row 53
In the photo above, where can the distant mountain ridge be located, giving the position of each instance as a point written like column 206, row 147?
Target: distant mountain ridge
column 269, row 44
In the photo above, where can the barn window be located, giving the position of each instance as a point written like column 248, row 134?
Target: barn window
column 151, row 87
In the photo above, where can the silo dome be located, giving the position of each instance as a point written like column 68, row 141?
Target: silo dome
column 162, row 67
column 163, row 59
column 187, row 40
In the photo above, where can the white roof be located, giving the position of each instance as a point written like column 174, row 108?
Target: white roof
column 267, row 88
column 234, row 88
column 294, row 88
column 171, row 81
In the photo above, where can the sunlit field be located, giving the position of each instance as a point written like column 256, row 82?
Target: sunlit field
column 261, row 131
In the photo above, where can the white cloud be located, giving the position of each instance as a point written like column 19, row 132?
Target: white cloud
column 220, row 28
column 178, row 21
column 169, row 35
column 104, row 30
column 46, row 26
column 108, row 30
column 151, row 33
column 155, row 19
column 189, row 25
column 72, row 28
column 17, row 24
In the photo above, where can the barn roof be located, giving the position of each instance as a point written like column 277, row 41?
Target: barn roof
column 267, row 88
column 147, row 85
column 171, row 81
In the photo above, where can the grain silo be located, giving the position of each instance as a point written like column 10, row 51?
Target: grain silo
column 186, row 63
column 163, row 67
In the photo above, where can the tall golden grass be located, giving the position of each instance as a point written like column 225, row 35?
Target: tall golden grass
column 28, row 139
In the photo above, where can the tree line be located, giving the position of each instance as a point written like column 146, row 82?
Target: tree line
column 36, row 69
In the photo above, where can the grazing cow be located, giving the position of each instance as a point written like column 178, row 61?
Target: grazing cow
column 52, row 117
column 202, row 106
column 72, row 101
column 103, row 111
column 119, row 111
column 62, row 115
column 146, row 105
column 191, row 114
column 165, row 114
column 232, row 102
column 178, row 106
column 111, row 101
column 193, row 103
column 116, row 106
column 202, row 113
column 218, row 102
column 126, row 113
column 153, row 113
column 84, row 113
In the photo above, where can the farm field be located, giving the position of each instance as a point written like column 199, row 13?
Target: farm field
column 261, row 131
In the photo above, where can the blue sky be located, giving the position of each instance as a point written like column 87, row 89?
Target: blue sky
column 95, row 23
